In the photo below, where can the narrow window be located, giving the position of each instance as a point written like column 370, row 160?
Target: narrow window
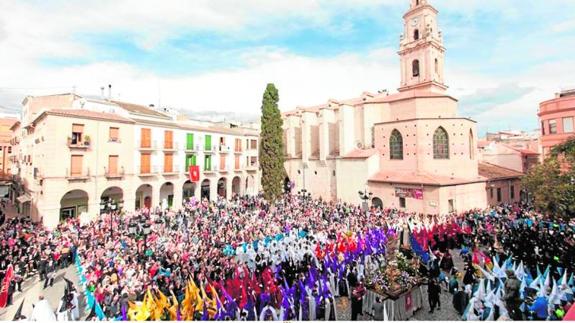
column 396, row 145
column 415, row 68
column 416, row 34
column 552, row 127
column 568, row 124
column 440, row 144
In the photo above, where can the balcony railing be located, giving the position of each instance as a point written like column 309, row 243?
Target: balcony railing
column 191, row 149
column 147, row 145
column 171, row 147
column 78, row 176
column 119, row 173
column 151, row 171
column 174, row 170
column 78, row 144
column 224, row 149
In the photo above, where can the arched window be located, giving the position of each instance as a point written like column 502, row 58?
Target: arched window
column 396, row 145
column 417, row 2
column 440, row 144
column 415, row 68
column 471, row 145
column 416, row 34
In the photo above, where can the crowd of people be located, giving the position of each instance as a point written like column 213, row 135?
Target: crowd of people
column 246, row 259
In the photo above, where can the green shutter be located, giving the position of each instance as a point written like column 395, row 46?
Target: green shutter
column 208, row 142
column 190, row 141
column 187, row 163
column 193, row 160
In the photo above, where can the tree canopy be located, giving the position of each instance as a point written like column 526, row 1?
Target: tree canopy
column 271, row 152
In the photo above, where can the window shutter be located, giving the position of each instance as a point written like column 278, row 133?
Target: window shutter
column 145, row 138
column 113, row 165
column 222, row 162
column 190, row 141
column 168, row 139
column 194, row 160
column 114, row 133
column 145, row 164
column 78, row 128
column 208, row 142
column 168, row 163
column 76, row 167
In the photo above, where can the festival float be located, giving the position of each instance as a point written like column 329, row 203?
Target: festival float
column 396, row 282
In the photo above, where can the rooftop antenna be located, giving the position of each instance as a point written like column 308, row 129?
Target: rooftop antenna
column 102, row 91
column 109, row 91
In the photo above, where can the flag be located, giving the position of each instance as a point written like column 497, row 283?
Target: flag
column 18, row 311
column 194, row 173
column 5, row 285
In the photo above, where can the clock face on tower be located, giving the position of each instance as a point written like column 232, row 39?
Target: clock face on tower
column 414, row 22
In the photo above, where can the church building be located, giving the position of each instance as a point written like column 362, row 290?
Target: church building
column 409, row 149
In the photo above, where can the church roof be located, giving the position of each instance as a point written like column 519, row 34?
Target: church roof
column 361, row 153
column 495, row 172
column 411, row 94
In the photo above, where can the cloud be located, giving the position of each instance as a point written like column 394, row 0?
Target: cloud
column 503, row 56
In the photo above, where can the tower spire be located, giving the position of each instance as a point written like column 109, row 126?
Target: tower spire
column 421, row 49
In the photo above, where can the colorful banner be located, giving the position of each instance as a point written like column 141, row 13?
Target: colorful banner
column 5, row 286
column 194, row 173
column 416, row 193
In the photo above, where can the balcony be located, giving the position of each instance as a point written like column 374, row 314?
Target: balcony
column 210, row 150
column 170, row 171
column 170, row 146
column 147, row 145
column 209, row 171
column 148, row 172
column 223, row 149
column 119, row 173
column 84, row 175
column 252, row 167
column 78, row 144
column 191, row 149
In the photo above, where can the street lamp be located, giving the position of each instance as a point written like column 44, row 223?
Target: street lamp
column 365, row 196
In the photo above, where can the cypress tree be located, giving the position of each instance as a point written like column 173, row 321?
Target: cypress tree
column 271, row 152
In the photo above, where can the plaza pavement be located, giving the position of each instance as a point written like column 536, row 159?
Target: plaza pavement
column 32, row 288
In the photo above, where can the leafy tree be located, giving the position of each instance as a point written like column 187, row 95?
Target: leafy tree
column 551, row 184
column 271, row 152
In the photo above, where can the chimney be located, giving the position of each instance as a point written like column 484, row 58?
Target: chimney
column 109, row 91
column 102, row 92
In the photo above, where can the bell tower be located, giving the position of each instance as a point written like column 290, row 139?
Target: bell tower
column 421, row 49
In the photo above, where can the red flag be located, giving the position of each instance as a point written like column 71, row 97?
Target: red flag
column 5, row 285
column 194, row 173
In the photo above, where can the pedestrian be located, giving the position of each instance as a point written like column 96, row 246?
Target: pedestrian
column 433, row 292
column 357, row 300
column 512, row 296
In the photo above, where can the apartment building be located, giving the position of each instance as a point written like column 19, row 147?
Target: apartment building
column 77, row 155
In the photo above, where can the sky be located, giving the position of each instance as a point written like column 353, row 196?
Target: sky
column 503, row 57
